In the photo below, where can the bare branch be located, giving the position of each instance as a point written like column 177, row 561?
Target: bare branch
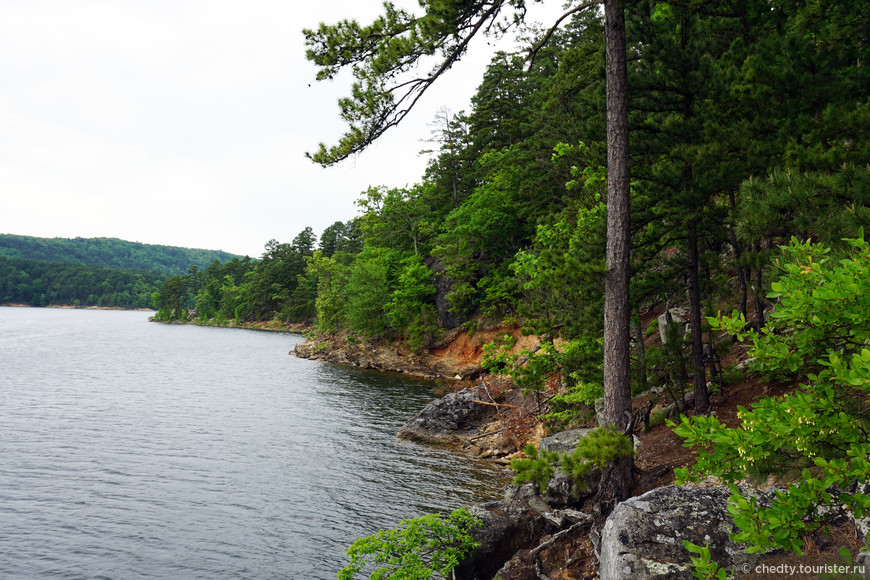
column 533, row 53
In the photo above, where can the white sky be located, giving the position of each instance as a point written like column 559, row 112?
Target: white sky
column 185, row 122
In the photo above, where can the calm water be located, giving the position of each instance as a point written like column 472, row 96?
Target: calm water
column 130, row 449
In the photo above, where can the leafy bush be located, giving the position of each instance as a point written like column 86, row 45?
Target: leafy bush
column 596, row 450
column 419, row 548
column 537, row 467
column 820, row 329
column 704, row 567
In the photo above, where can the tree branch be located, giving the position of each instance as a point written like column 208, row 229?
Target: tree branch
column 535, row 49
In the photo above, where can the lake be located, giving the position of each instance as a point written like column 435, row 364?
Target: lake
column 132, row 449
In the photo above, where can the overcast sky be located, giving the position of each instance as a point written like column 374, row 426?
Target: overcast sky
column 185, row 122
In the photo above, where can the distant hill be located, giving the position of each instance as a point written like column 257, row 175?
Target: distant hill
column 41, row 283
column 109, row 253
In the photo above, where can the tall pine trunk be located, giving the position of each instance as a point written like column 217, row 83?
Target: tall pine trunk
column 615, row 484
column 617, row 387
column 742, row 271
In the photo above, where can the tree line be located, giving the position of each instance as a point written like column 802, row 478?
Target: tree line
column 104, row 272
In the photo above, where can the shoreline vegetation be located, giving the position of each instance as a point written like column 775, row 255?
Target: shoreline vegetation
column 76, row 307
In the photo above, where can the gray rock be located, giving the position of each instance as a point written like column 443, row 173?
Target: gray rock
column 563, row 490
column 643, row 538
column 863, row 560
column 447, row 420
column 513, row 524
column 564, row 442
column 678, row 319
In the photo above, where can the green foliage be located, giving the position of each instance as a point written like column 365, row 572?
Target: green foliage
column 410, row 307
column 478, row 236
column 704, row 567
column 399, row 219
column 575, row 405
column 370, row 281
column 600, row 447
column 820, row 329
column 172, row 300
column 383, row 54
column 279, row 285
column 341, row 237
column 562, row 275
column 537, row 467
column 331, row 275
column 419, row 549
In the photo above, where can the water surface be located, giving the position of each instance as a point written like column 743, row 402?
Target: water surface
column 131, row 449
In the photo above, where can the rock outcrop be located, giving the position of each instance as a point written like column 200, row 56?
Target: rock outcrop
column 515, row 534
column 564, row 441
column 384, row 357
column 450, row 419
column 673, row 317
column 643, row 538
column 509, row 525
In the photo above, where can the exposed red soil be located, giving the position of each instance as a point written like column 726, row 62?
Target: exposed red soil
column 464, row 348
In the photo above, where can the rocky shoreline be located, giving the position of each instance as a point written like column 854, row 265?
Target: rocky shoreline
column 529, row 535
column 457, row 355
column 266, row 325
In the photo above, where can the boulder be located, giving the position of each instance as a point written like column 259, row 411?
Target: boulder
column 677, row 318
column 510, row 525
column 450, row 419
column 643, row 537
column 565, row 441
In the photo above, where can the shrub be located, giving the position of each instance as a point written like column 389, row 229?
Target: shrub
column 418, row 549
column 821, row 330
column 596, row 450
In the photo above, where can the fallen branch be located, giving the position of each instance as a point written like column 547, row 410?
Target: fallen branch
column 485, row 388
column 494, row 404
column 584, row 523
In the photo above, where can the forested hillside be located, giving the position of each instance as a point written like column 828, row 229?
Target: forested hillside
column 37, row 283
column 104, row 272
column 748, row 126
column 109, row 253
